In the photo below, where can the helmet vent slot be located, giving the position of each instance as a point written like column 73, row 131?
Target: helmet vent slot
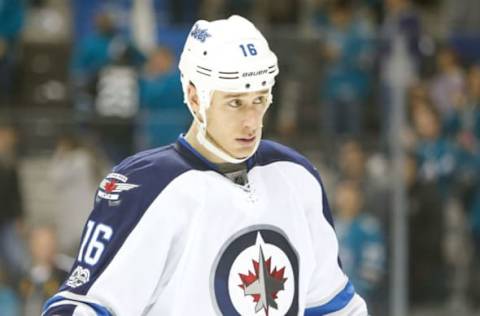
column 203, row 68
column 203, row 73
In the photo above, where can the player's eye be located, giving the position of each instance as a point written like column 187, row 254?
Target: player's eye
column 235, row 103
column 260, row 100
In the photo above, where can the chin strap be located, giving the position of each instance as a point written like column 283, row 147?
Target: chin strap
column 211, row 147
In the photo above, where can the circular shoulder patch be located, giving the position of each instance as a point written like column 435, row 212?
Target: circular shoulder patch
column 256, row 273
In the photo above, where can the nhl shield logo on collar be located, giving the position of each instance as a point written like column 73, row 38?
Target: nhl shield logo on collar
column 256, row 273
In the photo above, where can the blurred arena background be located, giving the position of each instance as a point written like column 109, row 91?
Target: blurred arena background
column 383, row 95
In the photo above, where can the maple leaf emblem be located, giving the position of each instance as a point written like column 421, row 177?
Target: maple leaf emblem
column 110, row 186
column 263, row 285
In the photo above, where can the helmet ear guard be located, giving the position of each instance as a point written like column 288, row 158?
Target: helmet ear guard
column 215, row 58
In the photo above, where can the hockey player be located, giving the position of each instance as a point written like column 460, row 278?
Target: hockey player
column 219, row 223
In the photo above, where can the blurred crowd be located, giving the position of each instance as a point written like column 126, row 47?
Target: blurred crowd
column 123, row 98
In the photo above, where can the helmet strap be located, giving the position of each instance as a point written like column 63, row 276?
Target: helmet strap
column 202, row 136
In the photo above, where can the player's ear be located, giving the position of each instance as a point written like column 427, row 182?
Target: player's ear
column 193, row 97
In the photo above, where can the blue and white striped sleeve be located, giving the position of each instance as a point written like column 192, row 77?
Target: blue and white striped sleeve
column 69, row 304
column 126, row 244
column 343, row 303
column 330, row 292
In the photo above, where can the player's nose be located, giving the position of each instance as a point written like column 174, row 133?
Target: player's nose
column 252, row 119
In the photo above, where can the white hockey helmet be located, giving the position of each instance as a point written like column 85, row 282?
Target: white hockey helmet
column 228, row 55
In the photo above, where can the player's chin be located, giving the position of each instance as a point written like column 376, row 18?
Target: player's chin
column 241, row 152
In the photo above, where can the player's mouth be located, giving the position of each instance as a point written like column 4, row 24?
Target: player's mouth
column 246, row 141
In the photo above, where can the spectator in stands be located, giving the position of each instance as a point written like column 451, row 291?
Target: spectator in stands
column 399, row 34
column 164, row 115
column 11, row 22
column 12, row 252
column 401, row 18
column 370, row 173
column 105, row 76
column 75, row 173
column 427, row 281
column 418, row 96
column 436, row 157
column 371, row 9
column 95, row 50
column 362, row 245
column 348, row 51
column 9, row 302
column 463, row 121
column 469, row 133
column 103, row 47
column 44, row 277
column 352, row 161
column 462, row 126
column 448, row 85
column 443, row 174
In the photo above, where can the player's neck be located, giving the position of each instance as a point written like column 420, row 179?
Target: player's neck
column 223, row 166
column 191, row 138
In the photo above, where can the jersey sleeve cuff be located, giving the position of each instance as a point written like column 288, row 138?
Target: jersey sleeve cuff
column 346, row 302
column 62, row 306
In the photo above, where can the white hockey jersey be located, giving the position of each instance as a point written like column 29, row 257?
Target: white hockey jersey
column 171, row 235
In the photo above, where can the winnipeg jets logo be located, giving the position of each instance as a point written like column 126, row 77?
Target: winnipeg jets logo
column 264, row 284
column 199, row 34
column 257, row 274
column 112, row 185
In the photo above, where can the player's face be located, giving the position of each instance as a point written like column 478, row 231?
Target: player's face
column 235, row 121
